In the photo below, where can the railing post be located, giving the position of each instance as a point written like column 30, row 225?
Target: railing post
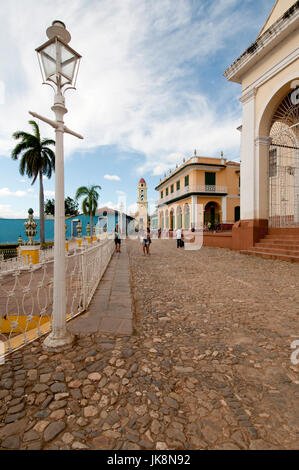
column 84, row 279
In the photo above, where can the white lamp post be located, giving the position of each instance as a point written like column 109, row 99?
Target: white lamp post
column 59, row 65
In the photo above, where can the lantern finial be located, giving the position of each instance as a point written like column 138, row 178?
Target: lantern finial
column 58, row 29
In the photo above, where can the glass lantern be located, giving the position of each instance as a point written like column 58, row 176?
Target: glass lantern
column 59, row 63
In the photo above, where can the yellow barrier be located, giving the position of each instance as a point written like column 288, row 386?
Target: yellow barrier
column 31, row 335
column 22, row 321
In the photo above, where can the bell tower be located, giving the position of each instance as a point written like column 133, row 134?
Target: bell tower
column 142, row 204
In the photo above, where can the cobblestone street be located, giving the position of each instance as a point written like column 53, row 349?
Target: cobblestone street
column 208, row 365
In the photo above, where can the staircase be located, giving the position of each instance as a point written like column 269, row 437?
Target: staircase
column 282, row 244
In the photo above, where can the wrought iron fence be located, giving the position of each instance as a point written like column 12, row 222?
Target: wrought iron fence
column 26, row 296
column 45, row 255
column 13, row 264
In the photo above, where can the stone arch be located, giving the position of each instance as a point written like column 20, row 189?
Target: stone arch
column 212, row 213
column 277, row 153
column 263, row 123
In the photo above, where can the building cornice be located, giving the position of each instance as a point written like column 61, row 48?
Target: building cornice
column 285, row 25
column 200, row 166
column 192, row 193
column 249, row 95
column 265, row 141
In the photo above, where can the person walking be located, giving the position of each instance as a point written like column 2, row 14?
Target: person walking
column 146, row 242
column 178, row 238
column 117, row 239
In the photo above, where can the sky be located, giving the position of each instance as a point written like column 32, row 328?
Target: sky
column 150, row 90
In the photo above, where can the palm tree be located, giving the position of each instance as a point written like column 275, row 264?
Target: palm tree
column 90, row 202
column 36, row 160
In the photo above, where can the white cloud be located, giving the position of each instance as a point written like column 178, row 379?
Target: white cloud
column 49, row 193
column 136, row 62
column 112, row 177
column 5, row 192
column 7, row 212
column 109, row 204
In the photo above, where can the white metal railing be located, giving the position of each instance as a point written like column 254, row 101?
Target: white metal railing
column 72, row 245
column 197, row 188
column 46, row 255
column 13, row 264
column 26, row 296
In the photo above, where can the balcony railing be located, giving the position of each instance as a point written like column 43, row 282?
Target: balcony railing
column 198, row 188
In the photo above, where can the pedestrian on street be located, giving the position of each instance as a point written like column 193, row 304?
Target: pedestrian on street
column 178, row 238
column 117, row 239
column 146, row 241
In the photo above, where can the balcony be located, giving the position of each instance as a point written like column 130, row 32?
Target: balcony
column 198, row 188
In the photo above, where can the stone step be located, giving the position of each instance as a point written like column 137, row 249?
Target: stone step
column 280, row 241
column 285, row 250
column 282, row 236
column 263, row 254
column 283, row 246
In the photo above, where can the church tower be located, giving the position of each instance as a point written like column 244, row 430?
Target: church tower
column 142, row 205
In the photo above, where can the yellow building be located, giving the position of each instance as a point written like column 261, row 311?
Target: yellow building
column 199, row 191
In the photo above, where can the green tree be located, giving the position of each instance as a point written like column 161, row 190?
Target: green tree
column 90, row 201
column 36, row 160
column 50, row 207
column 70, row 206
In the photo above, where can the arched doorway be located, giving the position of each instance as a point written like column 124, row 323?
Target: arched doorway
column 284, row 165
column 276, row 159
column 162, row 220
column 166, row 219
column 212, row 213
column 237, row 213
column 171, row 219
column 186, row 216
column 179, row 217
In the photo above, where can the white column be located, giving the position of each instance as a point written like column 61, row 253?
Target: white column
column 261, row 200
column 248, row 181
column 193, row 211
column 59, row 337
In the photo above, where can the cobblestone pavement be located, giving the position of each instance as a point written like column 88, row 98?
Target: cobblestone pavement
column 208, row 367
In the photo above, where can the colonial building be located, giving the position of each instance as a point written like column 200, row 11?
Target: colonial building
column 199, row 191
column 268, row 72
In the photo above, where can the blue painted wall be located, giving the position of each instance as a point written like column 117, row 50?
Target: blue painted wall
column 11, row 229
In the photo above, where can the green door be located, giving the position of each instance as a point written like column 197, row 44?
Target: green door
column 210, row 180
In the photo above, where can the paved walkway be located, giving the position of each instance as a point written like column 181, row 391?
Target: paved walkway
column 208, row 365
column 110, row 310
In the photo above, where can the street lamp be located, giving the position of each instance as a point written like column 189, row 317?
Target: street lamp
column 59, row 65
